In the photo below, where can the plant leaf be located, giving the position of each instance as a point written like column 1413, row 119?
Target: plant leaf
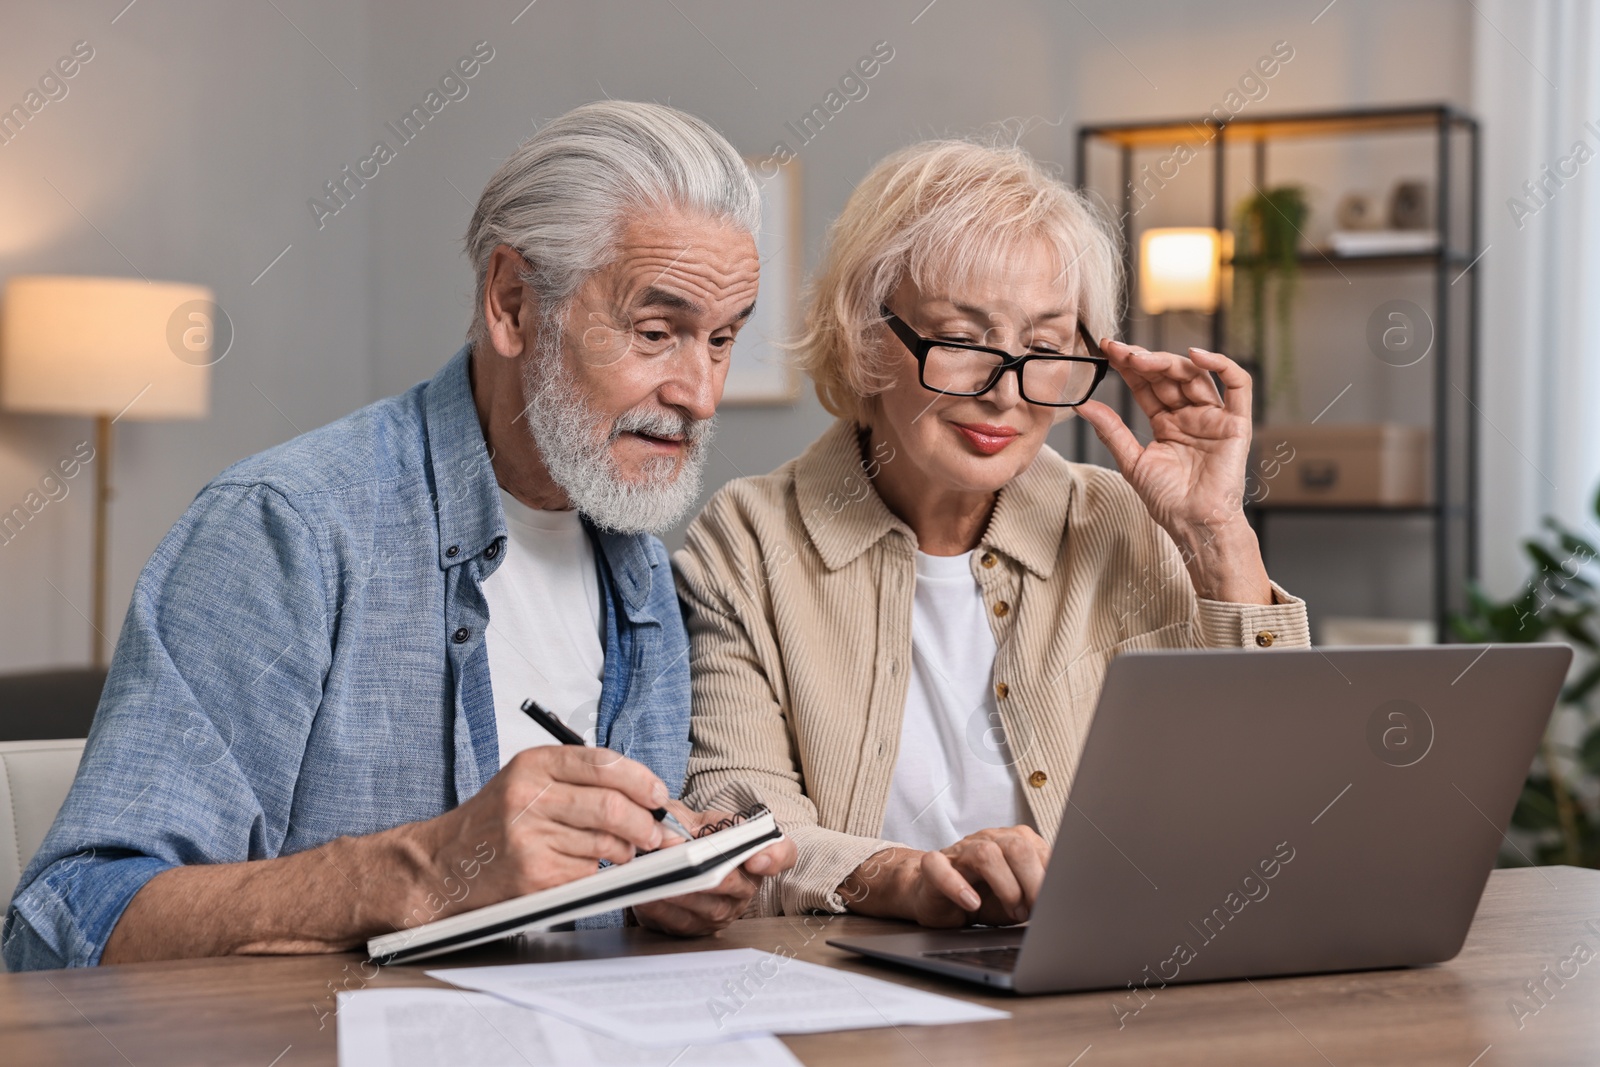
column 1581, row 550
column 1589, row 753
column 1536, row 808
column 1572, row 624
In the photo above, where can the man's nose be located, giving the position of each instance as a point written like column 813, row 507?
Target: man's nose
column 695, row 382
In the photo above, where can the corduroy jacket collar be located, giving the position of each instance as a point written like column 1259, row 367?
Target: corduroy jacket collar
column 844, row 515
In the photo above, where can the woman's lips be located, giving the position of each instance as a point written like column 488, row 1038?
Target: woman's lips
column 986, row 438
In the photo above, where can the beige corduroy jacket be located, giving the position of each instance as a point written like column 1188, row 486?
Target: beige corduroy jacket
column 797, row 590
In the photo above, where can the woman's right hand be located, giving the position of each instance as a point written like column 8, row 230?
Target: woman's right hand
column 990, row 877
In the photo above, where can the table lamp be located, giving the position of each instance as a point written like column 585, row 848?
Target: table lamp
column 108, row 348
column 1180, row 269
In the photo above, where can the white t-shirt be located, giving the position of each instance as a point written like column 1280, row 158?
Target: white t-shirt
column 953, row 776
column 544, row 638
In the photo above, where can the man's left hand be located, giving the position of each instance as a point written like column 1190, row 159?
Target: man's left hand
column 706, row 912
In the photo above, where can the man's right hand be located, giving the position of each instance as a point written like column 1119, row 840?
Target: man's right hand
column 548, row 817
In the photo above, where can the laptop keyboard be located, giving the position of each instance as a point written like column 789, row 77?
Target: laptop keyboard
column 997, row 958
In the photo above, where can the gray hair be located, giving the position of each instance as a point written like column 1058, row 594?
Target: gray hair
column 560, row 199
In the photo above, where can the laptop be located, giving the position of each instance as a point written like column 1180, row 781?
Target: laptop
column 1249, row 814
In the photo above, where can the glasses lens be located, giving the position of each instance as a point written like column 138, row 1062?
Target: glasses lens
column 958, row 370
column 1057, row 381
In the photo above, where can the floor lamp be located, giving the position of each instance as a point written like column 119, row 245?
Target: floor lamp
column 111, row 349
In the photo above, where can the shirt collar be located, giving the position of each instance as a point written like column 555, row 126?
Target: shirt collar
column 629, row 562
column 844, row 516
column 466, row 494
column 1033, row 513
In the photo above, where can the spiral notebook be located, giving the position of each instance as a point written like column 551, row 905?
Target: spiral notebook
column 668, row 872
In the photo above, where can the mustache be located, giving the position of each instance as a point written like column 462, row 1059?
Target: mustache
column 658, row 423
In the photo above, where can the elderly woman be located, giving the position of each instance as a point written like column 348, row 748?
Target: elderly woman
column 900, row 636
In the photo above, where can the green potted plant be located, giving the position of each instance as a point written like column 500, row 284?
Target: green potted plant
column 1267, row 227
column 1558, row 808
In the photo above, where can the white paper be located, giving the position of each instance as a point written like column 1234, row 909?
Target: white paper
column 687, row 998
column 449, row 1028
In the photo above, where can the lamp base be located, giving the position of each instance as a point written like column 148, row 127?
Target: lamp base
column 102, row 501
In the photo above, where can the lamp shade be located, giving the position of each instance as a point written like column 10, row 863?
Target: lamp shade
column 74, row 345
column 1179, row 269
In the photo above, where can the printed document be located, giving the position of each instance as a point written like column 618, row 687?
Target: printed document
column 447, row 1027
column 687, row 998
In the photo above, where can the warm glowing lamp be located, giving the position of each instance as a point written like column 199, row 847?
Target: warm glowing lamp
column 107, row 348
column 1180, row 269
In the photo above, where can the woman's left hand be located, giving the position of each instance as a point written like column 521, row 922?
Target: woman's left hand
column 706, row 912
column 1191, row 476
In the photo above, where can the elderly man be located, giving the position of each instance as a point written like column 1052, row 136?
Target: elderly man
column 312, row 730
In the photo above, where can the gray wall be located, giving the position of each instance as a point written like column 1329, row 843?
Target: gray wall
column 190, row 145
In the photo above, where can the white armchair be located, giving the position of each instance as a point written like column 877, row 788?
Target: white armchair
column 34, row 778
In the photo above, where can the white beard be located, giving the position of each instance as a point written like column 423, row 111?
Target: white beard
column 574, row 441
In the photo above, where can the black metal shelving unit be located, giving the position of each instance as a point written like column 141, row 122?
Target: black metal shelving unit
column 1457, row 212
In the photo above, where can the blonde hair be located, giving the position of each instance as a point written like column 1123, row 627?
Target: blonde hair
column 950, row 210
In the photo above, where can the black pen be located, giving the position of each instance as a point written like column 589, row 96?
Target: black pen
column 567, row 736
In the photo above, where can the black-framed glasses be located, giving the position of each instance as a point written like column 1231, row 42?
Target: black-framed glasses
column 1049, row 379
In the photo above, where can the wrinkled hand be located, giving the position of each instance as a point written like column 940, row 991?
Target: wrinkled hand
column 1197, row 461
column 549, row 816
column 1191, row 475
column 990, row 877
column 708, row 911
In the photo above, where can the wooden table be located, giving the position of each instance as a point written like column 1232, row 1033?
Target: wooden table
column 279, row 1012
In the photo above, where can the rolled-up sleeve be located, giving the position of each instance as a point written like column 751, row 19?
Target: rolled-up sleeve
column 197, row 743
column 1281, row 624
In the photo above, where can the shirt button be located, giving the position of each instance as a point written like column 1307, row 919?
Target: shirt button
column 492, row 551
column 1264, row 638
column 453, row 551
column 987, row 559
column 1001, row 689
column 1037, row 779
column 461, row 635
column 1002, row 609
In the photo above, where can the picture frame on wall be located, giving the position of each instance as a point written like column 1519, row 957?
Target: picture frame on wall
column 762, row 372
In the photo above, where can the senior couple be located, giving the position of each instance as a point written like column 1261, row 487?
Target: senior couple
column 312, row 730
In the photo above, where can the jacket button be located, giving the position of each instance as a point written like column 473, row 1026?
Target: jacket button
column 1037, row 779
column 1264, row 638
column 453, row 551
column 492, row 551
column 1001, row 689
column 987, row 559
column 1002, row 609
column 461, row 635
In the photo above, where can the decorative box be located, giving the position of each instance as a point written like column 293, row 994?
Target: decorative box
column 1370, row 465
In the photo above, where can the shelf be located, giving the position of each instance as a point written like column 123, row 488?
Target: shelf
column 1451, row 137
column 1319, row 258
column 1264, row 127
column 1378, row 510
column 1327, row 260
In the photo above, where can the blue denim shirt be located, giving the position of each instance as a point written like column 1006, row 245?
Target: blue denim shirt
column 303, row 658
